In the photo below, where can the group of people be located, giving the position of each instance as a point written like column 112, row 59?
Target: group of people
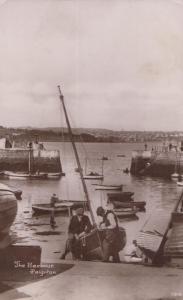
column 80, row 225
column 111, row 240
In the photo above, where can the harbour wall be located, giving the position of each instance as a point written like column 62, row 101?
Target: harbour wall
column 17, row 160
column 155, row 163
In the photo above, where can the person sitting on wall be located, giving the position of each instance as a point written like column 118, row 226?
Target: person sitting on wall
column 79, row 225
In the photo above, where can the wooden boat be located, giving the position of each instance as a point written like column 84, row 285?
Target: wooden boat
column 123, row 196
column 17, row 175
column 125, row 212
column 5, row 188
column 54, row 175
column 132, row 204
column 175, row 175
column 8, row 211
column 75, row 204
column 47, row 209
column 180, row 183
column 108, row 187
column 93, row 176
column 92, row 246
column 92, row 241
column 16, row 158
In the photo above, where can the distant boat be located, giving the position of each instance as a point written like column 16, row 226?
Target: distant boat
column 28, row 157
column 93, row 176
column 108, row 187
column 17, row 175
column 121, row 155
column 54, row 175
column 175, row 175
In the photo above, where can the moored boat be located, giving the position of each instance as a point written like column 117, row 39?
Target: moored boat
column 123, row 196
column 132, row 204
column 18, row 175
column 108, row 187
column 8, row 211
column 30, row 158
column 93, row 176
column 125, row 212
column 47, row 209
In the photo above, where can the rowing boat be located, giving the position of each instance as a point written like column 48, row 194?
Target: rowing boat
column 47, row 209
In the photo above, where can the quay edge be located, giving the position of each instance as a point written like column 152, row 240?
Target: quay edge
column 156, row 163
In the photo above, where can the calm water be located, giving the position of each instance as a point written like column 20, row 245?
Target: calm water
column 28, row 229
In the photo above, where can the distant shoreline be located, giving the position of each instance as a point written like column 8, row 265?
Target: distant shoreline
column 88, row 135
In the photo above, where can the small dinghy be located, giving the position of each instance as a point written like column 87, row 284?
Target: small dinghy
column 108, row 187
column 132, row 204
column 125, row 213
column 93, row 176
column 46, row 208
column 123, row 196
column 175, row 175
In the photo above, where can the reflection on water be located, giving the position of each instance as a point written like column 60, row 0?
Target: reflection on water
column 157, row 192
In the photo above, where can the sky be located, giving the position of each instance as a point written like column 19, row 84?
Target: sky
column 119, row 63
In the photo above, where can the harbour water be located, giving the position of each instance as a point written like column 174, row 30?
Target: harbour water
column 35, row 230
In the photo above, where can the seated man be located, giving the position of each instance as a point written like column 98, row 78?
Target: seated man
column 79, row 225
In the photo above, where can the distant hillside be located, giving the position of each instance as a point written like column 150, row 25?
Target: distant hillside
column 87, row 135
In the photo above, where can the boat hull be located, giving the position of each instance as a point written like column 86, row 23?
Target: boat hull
column 92, row 246
column 132, row 204
column 108, row 187
column 93, row 177
column 12, row 175
column 125, row 213
column 124, row 196
column 47, row 209
column 8, row 211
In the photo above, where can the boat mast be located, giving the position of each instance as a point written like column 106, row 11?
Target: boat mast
column 76, row 155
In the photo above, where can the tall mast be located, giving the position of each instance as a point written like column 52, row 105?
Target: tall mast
column 76, row 155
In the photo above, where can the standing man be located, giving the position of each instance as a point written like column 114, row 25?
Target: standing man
column 53, row 201
column 111, row 243
column 79, row 225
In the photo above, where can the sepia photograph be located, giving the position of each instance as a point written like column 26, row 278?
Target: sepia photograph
column 91, row 149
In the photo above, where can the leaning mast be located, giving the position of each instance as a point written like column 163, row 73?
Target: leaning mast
column 76, row 155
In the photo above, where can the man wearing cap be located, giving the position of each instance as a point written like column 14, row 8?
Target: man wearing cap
column 111, row 241
column 79, row 225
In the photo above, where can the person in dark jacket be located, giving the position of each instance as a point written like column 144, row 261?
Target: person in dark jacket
column 53, row 201
column 79, row 225
column 111, row 243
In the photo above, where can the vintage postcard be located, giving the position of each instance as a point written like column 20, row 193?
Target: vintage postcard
column 91, row 149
